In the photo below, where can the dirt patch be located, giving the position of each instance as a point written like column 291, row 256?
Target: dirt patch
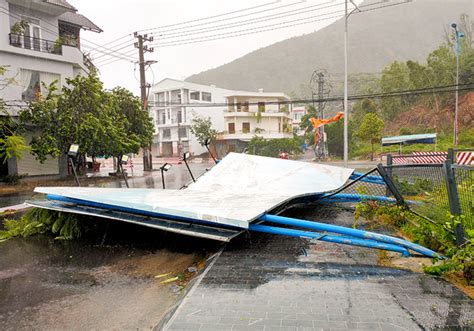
column 441, row 120
column 157, row 264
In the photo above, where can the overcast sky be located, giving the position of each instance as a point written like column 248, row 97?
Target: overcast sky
column 121, row 17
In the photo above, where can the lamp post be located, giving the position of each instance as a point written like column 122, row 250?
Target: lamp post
column 459, row 35
column 163, row 168
column 71, row 154
column 346, row 110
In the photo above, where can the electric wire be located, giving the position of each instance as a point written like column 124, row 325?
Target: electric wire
column 260, row 29
column 400, row 93
column 271, row 27
column 165, row 32
column 209, row 17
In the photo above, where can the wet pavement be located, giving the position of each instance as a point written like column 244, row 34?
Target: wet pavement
column 265, row 282
column 105, row 280
column 176, row 177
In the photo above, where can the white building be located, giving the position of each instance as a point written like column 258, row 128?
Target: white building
column 47, row 49
column 249, row 114
column 173, row 105
column 296, row 114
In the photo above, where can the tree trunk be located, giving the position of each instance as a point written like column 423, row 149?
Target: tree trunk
column 63, row 165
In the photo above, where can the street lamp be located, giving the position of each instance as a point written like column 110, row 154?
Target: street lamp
column 123, row 160
column 163, row 168
column 71, row 154
column 459, row 35
column 346, row 111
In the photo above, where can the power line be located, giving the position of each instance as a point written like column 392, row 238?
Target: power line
column 209, row 17
column 106, row 60
column 420, row 91
column 111, row 53
column 265, row 28
column 251, row 21
column 233, row 33
column 165, row 32
column 260, row 29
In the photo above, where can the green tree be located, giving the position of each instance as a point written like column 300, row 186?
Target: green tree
column 202, row 129
column 395, row 77
column 12, row 144
column 128, row 126
column 370, row 130
column 361, row 108
column 102, row 123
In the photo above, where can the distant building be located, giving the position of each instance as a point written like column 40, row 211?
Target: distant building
column 171, row 107
column 296, row 114
column 45, row 49
column 249, row 114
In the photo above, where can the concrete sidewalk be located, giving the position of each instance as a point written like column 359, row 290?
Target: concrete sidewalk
column 266, row 282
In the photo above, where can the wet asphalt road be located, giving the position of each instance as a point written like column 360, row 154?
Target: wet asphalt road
column 103, row 281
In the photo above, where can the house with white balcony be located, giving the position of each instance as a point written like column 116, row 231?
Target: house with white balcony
column 39, row 43
column 173, row 104
column 296, row 114
column 249, row 114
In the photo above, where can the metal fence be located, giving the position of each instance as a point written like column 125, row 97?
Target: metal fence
column 430, row 190
column 464, row 178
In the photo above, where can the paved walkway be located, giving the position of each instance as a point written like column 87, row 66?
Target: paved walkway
column 266, row 282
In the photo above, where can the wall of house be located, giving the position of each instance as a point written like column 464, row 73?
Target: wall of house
column 69, row 64
column 17, row 62
column 48, row 23
column 170, row 88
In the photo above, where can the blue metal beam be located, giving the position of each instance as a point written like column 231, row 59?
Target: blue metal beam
column 328, row 238
column 348, row 197
column 351, row 232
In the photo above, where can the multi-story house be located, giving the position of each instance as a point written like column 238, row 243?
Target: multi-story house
column 174, row 103
column 296, row 114
column 249, row 114
column 39, row 43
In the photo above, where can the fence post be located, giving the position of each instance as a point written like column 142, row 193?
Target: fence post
column 453, row 199
column 450, row 155
column 389, row 171
column 390, row 185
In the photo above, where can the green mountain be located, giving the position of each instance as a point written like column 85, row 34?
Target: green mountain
column 376, row 38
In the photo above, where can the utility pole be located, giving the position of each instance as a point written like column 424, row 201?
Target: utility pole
column 142, row 49
column 323, row 151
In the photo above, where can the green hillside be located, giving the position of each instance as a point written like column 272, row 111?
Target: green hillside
column 377, row 38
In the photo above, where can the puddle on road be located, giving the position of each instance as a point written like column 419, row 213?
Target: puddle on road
column 49, row 284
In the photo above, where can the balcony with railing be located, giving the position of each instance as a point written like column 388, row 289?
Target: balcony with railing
column 36, row 44
column 247, row 135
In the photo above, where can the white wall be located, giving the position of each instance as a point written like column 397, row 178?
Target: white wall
column 215, row 113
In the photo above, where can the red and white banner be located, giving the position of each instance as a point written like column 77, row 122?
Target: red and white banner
column 462, row 158
column 465, row 158
column 429, row 157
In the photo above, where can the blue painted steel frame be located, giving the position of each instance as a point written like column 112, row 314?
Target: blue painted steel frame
column 352, row 233
column 329, row 238
column 347, row 236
